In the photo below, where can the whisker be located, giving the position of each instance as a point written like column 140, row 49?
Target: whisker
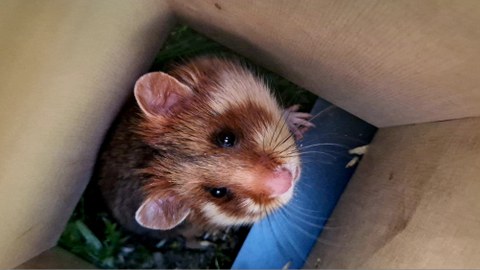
column 297, row 213
column 291, row 145
column 289, row 154
column 299, row 228
column 330, row 244
column 312, row 236
column 279, row 245
column 322, row 112
column 317, row 162
column 324, row 144
column 282, row 223
column 298, row 217
column 338, row 152
column 319, row 152
column 280, row 130
column 317, row 158
column 277, row 242
column 285, row 140
column 275, row 132
column 305, row 209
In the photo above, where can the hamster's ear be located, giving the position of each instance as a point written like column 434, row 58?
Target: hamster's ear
column 157, row 92
column 161, row 213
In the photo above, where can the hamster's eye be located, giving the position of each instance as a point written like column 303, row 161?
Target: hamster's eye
column 218, row 192
column 225, row 139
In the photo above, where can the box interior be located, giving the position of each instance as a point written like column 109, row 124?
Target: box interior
column 412, row 202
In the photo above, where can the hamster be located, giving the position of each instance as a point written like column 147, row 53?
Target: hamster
column 205, row 146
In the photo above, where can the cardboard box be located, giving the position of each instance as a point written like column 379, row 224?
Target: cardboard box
column 404, row 66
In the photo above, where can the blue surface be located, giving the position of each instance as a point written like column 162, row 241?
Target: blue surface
column 289, row 235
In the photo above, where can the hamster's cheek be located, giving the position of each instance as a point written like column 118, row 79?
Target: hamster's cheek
column 220, row 216
column 251, row 207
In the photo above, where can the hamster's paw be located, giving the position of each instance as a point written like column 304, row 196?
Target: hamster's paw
column 298, row 122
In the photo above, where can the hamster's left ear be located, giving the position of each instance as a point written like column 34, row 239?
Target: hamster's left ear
column 162, row 213
column 157, row 93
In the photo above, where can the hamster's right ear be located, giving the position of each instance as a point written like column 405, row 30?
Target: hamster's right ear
column 157, row 93
column 162, row 213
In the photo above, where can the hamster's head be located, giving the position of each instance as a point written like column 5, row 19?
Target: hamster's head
column 224, row 155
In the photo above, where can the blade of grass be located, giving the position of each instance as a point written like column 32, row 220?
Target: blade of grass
column 88, row 235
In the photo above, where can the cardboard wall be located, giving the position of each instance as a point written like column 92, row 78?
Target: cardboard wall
column 66, row 68
column 388, row 62
column 412, row 203
column 56, row 258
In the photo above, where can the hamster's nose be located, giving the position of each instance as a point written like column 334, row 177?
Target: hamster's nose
column 280, row 181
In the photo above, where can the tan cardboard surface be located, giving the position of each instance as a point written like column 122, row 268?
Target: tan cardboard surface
column 66, row 68
column 56, row 258
column 389, row 62
column 412, row 203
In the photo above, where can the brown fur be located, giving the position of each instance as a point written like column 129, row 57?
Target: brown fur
column 149, row 156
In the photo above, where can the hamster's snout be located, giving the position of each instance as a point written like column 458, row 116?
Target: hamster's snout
column 281, row 181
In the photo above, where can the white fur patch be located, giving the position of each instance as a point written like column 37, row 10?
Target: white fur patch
column 252, row 207
column 215, row 215
column 238, row 85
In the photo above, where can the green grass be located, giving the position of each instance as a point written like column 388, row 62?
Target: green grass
column 106, row 253
column 94, row 235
